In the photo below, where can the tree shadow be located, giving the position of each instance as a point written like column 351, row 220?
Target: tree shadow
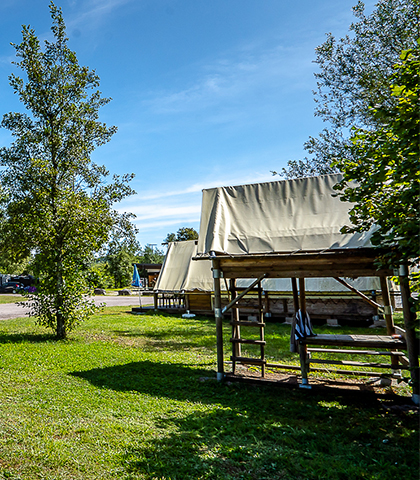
column 175, row 381
column 235, row 431
column 26, row 337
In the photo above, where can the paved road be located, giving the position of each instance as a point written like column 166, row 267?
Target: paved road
column 12, row 310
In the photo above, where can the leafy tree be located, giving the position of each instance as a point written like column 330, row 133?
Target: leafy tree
column 181, row 235
column 58, row 203
column 355, row 72
column 150, row 255
column 122, row 251
column 385, row 164
column 98, row 275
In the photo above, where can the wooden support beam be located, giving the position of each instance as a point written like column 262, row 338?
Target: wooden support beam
column 218, row 317
column 242, row 294
column 302, row 296
column 390, row 330
column 236, row 329
column 362, row 295
column 410, row 333
column 295, row 295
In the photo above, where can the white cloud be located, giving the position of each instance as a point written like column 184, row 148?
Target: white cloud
column 257, row 72
column 93, row 12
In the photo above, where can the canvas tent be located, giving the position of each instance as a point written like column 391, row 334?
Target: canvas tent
column 182, row 283
column 283, row 229
column 187, row 284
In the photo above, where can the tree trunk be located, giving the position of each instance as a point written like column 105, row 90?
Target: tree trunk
column 59, row 301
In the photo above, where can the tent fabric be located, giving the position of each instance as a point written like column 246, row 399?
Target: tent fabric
column 179, row 273
column 322, row 284
column 281, row 216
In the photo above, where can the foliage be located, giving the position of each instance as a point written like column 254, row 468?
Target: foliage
column 385, row 164
column 148, row 254
column 98, row 275
column 183, row 234
column 126, row 399
column 58, row 203
column 355, row 72
column 12, row 266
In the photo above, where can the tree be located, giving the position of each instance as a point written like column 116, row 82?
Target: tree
column 385, row 165
column 181, row 235
column 148, row 254
column 57, row 202
column 354, row 73
column 122, row 251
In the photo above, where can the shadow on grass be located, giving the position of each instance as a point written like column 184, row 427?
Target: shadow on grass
column 170, row 380
column 247, row 432
column 27, row 337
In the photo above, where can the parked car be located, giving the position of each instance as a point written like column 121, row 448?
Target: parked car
column 10, row 287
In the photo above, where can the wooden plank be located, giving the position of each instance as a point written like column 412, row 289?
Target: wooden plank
column 248, row 360
column 351, row 363
column 278, row 365
column 249, row 341
column 355, row 352
column 245, row 323
column 366, row 341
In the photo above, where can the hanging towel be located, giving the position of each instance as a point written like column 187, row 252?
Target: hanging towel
column 301, row 328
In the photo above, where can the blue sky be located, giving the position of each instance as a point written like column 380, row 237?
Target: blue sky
column 205, row 92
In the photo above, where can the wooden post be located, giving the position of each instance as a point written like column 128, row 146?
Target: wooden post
column 302, row 296
column 267, row 303
column 218, row 317
column 236, row 329
column 295, row 295
column 155, row 300
column 303, row 351
column 261, row 320
column 410, row 333
column 390, row 330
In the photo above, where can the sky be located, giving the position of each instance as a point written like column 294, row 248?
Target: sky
column 205, row 93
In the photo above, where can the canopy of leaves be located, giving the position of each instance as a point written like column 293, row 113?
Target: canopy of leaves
column 57, row 203
column 183, row 234
column 385, row 164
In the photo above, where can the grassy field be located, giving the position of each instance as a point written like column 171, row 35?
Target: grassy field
column 10, row 298
column 134, row 397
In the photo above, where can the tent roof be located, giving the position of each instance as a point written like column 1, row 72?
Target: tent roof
column 283, row 216
column 180, row 273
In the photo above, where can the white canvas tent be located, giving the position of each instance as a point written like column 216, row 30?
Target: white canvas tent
column 282, row 216
column 179, row 273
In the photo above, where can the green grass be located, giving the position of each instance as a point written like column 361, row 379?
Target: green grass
column 134, row 397
column 10, row 298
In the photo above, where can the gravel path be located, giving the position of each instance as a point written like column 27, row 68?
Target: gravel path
column 12, row 310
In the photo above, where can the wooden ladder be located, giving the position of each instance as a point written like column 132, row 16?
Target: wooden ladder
column 237, row 340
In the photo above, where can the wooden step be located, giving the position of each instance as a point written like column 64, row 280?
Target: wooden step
column 251, row 361
column 359, row 352
column 245, row 323
column 250, row 342
column 245, row 307
column 358, row 364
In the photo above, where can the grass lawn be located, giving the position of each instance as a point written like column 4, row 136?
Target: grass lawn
column 10, row 298
column 134, row 397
